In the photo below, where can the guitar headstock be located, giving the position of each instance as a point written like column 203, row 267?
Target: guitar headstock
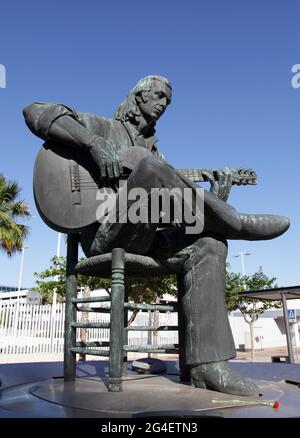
column 244, row 177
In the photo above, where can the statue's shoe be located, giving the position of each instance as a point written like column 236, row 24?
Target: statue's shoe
column 261, row 226
column 218, row 376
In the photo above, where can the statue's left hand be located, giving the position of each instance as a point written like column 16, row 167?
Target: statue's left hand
column 221, row 183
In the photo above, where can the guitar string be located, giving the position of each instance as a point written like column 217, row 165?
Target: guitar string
column 235, row 177
column 235, row 180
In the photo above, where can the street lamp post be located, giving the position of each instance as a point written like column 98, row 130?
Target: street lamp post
column 19, row 290
column 242, row 254
column 21, row 268
column 58, row 245
column 54, row 296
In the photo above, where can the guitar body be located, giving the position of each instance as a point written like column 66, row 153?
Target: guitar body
column 65, row 204
column 66, row 182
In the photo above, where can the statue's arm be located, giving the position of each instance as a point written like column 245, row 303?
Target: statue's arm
column 62, row 124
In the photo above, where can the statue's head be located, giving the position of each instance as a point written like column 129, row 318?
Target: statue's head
column 148, row 98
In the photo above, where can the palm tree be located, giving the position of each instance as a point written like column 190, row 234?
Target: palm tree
column 12, row 233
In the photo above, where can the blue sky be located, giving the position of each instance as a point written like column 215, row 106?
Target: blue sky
column 233, row 103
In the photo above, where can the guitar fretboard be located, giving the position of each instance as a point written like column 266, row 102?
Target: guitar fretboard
column 240, row 176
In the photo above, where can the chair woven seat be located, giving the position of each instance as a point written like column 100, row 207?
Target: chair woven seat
column 136, row 266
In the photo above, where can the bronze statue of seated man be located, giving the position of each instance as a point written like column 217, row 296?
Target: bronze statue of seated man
column 209, row 341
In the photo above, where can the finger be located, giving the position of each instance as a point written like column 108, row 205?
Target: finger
column 116, row 169
column 120, row 167
column 208, row 175
column 109, row 167
column 215, row 188
column 221, row 182
column 228, row 180
column 217, row 174
column 223, row 192
column 102, row 170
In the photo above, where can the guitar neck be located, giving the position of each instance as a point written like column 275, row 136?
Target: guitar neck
column 240, row 176
column 130, row 157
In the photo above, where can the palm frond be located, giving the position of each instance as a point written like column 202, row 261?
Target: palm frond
column 9, row 190
column 12, row 233
column 19, row 209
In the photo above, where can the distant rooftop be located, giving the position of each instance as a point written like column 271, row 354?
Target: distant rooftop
column 290, row 292
column 10, row 288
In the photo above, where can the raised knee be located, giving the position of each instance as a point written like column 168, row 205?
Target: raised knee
column 154, row 168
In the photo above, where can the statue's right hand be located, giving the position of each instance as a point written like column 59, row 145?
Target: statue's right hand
column 104, row 155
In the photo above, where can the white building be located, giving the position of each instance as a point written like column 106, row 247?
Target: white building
column 24, row 296
column 13, row 295
column 269, row 329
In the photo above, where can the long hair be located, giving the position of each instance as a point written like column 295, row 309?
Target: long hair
column 129, row 110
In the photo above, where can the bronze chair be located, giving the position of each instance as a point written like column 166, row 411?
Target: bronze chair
column 116, row 265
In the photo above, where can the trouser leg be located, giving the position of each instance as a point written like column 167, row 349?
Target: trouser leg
column 208, row 334
column 138, row 237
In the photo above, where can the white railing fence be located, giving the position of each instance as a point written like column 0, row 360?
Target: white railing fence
column 31, row 329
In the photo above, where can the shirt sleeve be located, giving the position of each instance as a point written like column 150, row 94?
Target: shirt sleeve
column 40, row 116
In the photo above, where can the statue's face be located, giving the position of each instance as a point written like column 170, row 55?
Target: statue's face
column 156, row 102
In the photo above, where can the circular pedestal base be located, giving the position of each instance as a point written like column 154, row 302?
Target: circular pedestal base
column 162, row 396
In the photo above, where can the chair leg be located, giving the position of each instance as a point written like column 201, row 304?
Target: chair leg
column 116, row 341
column 125, row 354
column 70, row 310
column 184, row 369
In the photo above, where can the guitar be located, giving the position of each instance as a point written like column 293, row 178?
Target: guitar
column 65, row 184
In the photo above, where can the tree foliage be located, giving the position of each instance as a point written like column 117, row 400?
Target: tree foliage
column 12, row 232
column 249, row 307
column 54, row 278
